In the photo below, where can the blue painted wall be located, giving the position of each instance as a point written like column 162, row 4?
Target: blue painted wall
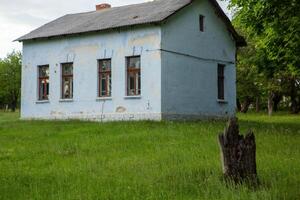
column 189, row 83
column 174, row 85
column 84, row 51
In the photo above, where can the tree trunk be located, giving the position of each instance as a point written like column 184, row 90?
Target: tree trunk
column 277, row 97
column 238, row 154
column 294, row 106
column 14, row 101
column 293, row 95
column 275, row 105
column 245, row 105
column 298, row 105
column 270, row 103
column 13, row 106
column 257, row 108
column 238, row 104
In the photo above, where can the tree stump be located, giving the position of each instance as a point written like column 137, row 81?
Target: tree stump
column 238, row 154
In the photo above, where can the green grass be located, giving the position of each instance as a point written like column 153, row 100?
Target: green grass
column 141, row 160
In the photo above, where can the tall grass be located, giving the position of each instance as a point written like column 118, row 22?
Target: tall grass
column 141, row 160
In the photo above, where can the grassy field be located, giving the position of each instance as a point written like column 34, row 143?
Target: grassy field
column 141, row 160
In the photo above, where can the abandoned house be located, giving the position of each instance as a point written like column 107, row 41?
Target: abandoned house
column 165, row 59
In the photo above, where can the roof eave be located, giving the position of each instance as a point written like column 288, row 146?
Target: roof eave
column 23, row 38
column 240, row 41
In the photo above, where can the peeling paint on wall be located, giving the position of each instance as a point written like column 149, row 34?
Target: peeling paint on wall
column 173, row 86
column 84, row 51
column 120, row 109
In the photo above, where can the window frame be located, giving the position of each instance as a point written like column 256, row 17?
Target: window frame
column 43, row 97
column 108, row 75
column 62, row 81
column 221, row 81
column 137, row 92
column 201, row 23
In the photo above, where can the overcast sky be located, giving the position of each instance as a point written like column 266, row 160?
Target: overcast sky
column 18, row 17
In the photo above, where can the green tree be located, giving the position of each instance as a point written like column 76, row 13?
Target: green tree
column 10, row 80
column 274, row 27
column 249, row 79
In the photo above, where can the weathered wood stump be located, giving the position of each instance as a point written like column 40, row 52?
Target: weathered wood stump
column 238, row 154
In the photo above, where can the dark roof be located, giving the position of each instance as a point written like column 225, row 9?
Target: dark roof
column 116, row 17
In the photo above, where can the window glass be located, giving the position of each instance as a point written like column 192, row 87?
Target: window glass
column 67, row 81
column 201, row 23
column 67, row 69
column 43, row 82
column 104, row 78
column 44, row 71
column 133, row 76
column 105, row 64
column 221, row 87
column 134, row 62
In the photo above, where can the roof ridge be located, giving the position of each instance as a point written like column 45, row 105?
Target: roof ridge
column 112, row 8
column 154, row 11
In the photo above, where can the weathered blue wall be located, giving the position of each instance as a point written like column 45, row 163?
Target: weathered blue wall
column 189, row 84
column 174, row 85
column 84, row 51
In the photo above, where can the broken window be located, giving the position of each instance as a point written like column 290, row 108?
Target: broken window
column 133, row 76
column 67, row 80
column 104, row 78
column 201, row 23
column 43, row 82
column 221, row 69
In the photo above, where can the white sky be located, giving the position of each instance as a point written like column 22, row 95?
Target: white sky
column 18, row 17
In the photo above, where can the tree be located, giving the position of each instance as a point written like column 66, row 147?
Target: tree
column 238, row 154
column 249, row 79
column 275, row 27
column 10, row 79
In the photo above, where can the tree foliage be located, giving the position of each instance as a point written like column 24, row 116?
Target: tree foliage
column 10, row 80
column 272, row 29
